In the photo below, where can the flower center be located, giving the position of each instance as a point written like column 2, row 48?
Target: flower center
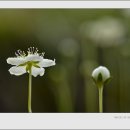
column 29, row 65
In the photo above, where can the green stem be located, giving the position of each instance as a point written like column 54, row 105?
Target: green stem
column 30, row 91
column 100, row 99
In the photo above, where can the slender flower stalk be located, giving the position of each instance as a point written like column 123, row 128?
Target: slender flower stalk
column 101, row 76
column 30, row 92
column 100, row 99
column 32, row 63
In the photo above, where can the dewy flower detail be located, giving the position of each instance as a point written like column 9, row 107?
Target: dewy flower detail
column 101, row 75
column 32, row 63
column 32, row 60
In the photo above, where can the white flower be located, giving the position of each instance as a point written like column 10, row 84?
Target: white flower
column 101, row 74
column 33, row 61
column 106, row 32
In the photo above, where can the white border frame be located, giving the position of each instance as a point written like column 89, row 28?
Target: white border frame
column 64, row 4
column 64, row 120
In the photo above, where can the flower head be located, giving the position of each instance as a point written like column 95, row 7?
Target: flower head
column 101, row 75
column 32, row 61
column 106, row 32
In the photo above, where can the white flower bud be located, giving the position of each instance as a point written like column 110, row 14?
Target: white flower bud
column 100, row 75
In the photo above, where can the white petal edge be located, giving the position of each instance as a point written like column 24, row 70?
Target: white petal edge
column 47, row 63
column 37, row 71
column 16, row 60
column 17, row 70
column 103, row 70
column 34, row 57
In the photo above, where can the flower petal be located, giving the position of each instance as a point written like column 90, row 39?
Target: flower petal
column 16, row 60
column 17, row 70
column 34, row 57
column 103, row 71
column 37, row 71
column 47, row 63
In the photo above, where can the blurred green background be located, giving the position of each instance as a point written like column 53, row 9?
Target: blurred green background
column 80, row 40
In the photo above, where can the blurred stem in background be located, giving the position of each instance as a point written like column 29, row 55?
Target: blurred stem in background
column 114, row 93
column 62, row 91
column 64, row 98
column 100, row 55
column 80, row 91
column 87, row 64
